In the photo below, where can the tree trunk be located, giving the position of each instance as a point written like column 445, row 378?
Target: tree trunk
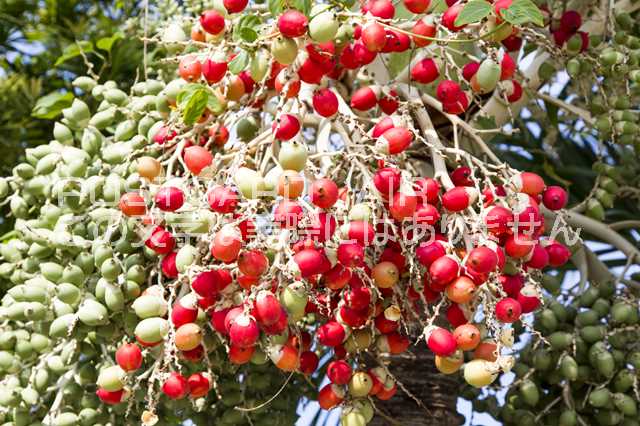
column 437, row 392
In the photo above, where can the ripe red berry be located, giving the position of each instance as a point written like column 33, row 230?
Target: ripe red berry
column 351, row 254
column 389, row 103
column 253, row 262
column 292, row 23
column 423, row 30
column 213, row 71
column 554, row 198
column 199, row 385
column 212, row 21
column 325, row 102
column 129, row 357
column 176, row 386
column 458, row 198
column 331, row 333
column 243, row 331
column 132, row 204
column 364, row 99
column 161, row 241
column 482, row 260
column 470, row 69
column 416, row 6
column 169, row 198
column 235, row 6
column 441, row 342
column 570, row 21
column 387, row 181
column 508, row 310
column 339, row 372
column 222, row 199
column 450, row 15
column 558, row 254
column 443, row 270
column 425, row 71
column 427, row 253
column 373, row 37
column 380, row 8
column 197, row 158
column 190, row 68
column 110, row 398
column 323, row 193
column 286, row 127
column 394, row 141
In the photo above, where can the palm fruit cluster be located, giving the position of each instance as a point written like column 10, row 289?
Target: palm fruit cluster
column 580, row 367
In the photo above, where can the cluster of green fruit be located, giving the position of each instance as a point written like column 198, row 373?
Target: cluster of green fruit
column 71, row 268
column 585, row 370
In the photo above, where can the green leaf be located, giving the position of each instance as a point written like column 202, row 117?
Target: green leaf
column 276, row 7
column 397, row 61
column 239, row 63
column 487, row 122
column 522, row 11
column 185, row 94
column 106, row 43
column 74, row 50
column 247, row 34
column 303, row 6
column 214, row 105
column 51, row 105
column 195, row 106
column 473, row 12
column 439, row 6
column 245, row 29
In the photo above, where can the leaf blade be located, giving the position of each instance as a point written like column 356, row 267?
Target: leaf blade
column 472, row 12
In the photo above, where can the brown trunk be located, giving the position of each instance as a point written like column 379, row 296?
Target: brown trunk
column 438, row 393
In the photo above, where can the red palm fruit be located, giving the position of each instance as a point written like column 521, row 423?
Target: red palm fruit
column 394, row 343
column 168, row 265
column 554, row 198
column 337, row 277
column 176, row 386
column 459, row 198
column 427, row 189
column 380, row 8
column 232, row 314
column 218, row 317
column 359, row 231
column 425, row 71
column 461, row 176
column 184, row 310
column 169, row 198
column 213, row 71
column 528, row 299
column 441, row 342
column 351, row 254
column 383, row 125
column 450, row 15
column 389, row 103
column 284, row 357
column 239, row 355
column 458, row 105
column 321, row 52
column 351, row 317
column 508, row 310
column 291, row 84
column 373, row 36
column 253, row 262
column 507, row 67
column 538, row 258
column 267, row 308
column 325, row 102
column 513, row 91
column 286, row 126
column 455, row 315
column 486, row 350
column 513, row 43
column 292, row 24
column 448, row 92
column 243, row 331
column 348, row 57
column 429, row 252
column 288, row 214
column 188, row 336
column 308, row 362
column 467, row 337
column 205, row 284
column 323, row 193
column 470, row 69
column 212, row 21
column 194, row 355
column 402, row 206
column 235, row 6
column 331, row 333
column 482, row 260
column 416, row 6
column 359, row 296
column 384, row 325
column 278, row 327
column 423, row 30
column 129, row 357
column 529, row 183
column 387, row 180
column 330, row 395
column 197, row 159
column 393, row 255
column 461, row 290
column 310, row 262
column 570, row 21
column 199, row 385
column 518, row 246
column 227, row 243
column 132, row 204
column 219, row 134
column 394, row 140
column 511, row 284
column 222, row 199
column 386, row 393
column 426, row 214
column 364, row 99
column 558, row 253
column 321, row 226
column 499, row 220
column 110, row 398
column 190, row 68
column 339, row 372
column 161, row 241
column 311, row 72
column 443, row 270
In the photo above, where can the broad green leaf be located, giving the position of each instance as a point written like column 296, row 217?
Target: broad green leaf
column 214, row 104
column 185, row 94
column 487, row 122
column 106, row 43
column 303, row 6
column 523, row 11
column 473, row 12
column 195, row 106
column 276, row 7
column 239, row 63
column 247, row 34
column 398, row 61
column 51, row 105
column 439, row 6
column 74, row 50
